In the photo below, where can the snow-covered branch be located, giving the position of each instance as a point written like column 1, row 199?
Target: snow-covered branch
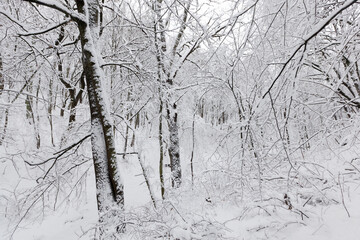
column 317, row 29
column 54, row 4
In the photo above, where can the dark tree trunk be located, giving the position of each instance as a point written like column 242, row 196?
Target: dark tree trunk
column 161, row 145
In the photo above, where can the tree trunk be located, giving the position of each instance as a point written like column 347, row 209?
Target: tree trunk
column 50, row 108
column 174, row 145
column 161, row 145
column 109, row 184
column 164, row 71
column 37, row 121
column 2, row 85
column 2, row 81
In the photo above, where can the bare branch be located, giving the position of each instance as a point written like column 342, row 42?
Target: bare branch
column 54, row 4
column 45, row 30
column 317, row 29
column 13, row 20
column 127, row 153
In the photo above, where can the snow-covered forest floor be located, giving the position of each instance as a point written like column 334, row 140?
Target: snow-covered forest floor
column 324, row 195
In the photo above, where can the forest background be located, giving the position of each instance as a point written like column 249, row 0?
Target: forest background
column 179, row 119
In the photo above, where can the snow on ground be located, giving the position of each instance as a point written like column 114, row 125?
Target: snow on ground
column 213, row 218
column 325, row 222
column 329, row 222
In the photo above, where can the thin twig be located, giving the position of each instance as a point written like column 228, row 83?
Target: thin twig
column 342, row 196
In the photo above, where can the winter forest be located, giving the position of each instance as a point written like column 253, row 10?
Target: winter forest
column 179, row 119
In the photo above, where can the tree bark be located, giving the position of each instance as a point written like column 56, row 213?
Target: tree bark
column 161, row 145
column 165, row 78
column 109, row 184
column 174, row 146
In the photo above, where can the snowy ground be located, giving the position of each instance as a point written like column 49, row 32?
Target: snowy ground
column 325, row 222
column 199, row 214
column 248, row 220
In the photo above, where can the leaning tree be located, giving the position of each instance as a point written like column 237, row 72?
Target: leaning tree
column 109, row 185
